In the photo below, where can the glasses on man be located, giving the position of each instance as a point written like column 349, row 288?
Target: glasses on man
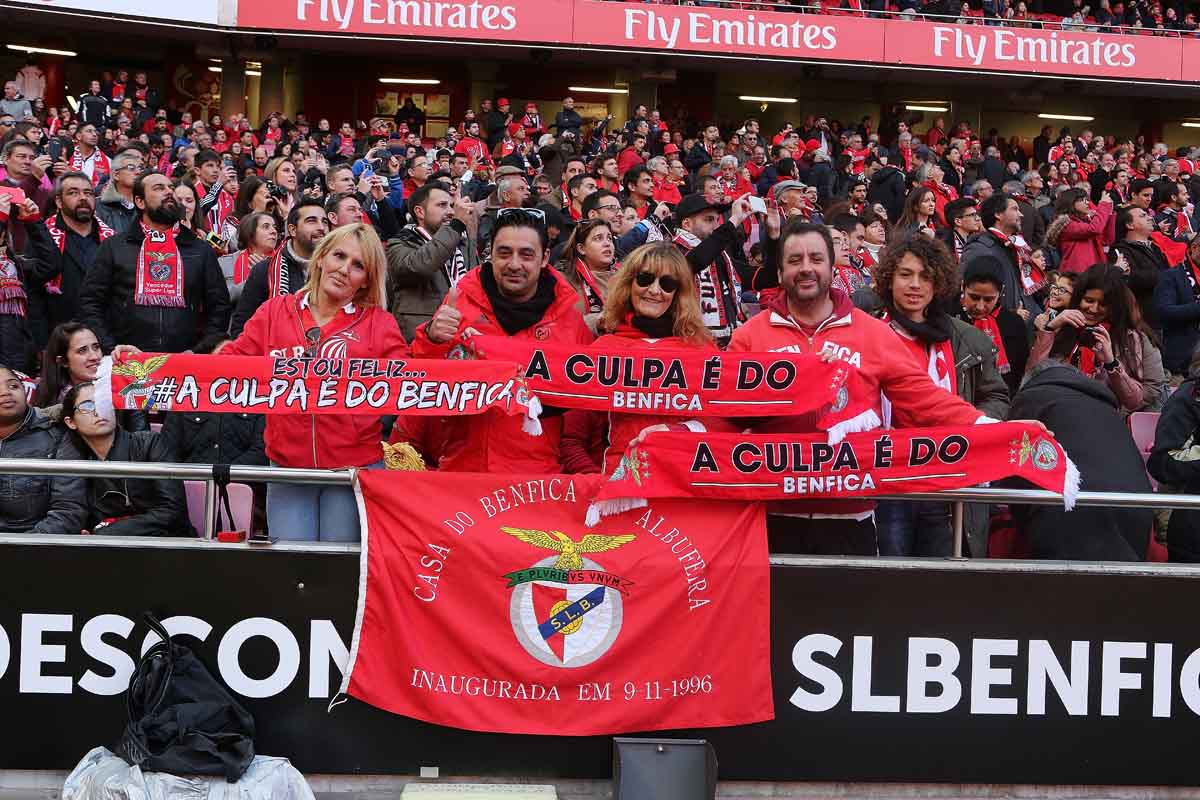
column 87, row 407
column 608, row 207
column 665, row 282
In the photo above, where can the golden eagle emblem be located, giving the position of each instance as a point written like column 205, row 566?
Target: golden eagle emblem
column 568, row 548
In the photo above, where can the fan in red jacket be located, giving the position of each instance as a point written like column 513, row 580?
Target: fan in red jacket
column 515, row 294
column 810, row 317
column 340, row 313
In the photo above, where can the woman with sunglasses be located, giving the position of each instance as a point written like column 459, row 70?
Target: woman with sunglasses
column 1115, row 347
column 341, row 312
column 588, row 264
column 653, row 303
column 122, row 506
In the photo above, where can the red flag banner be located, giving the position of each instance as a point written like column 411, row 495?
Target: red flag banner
column 686, row 382
column 485, row 605
column 266, row 385
column 799, row 467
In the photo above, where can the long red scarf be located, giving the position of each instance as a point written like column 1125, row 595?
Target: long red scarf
column 278, row 279
column 688, row 382
column 242, row 267
column 13, row 301
column 266, row 385
column 60, row 241
column 991, row 327
column 713, row 288
column 1087, row 356
column 807, row 467
column 159, row 279
column 101, row 165
column 223, row 208
column 591, row 290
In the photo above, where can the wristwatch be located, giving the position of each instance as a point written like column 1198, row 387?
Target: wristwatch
column 1112, row 366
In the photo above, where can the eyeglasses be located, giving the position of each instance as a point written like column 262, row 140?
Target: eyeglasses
column 608, row 207
column 87, row 407
column 665, row 282
column 1059, row 290
column 312, row 338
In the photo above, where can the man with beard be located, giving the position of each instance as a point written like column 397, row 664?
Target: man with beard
column 1144, row 263
column 61, row 252
column 286, row 271
column 809, row 316
column 429, row 256
column 157, row 287
column 473, row 147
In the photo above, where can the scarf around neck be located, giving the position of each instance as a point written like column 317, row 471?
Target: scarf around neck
column 159, row 279
column 514, row 317
column 991, row 327
column 13, row 301
column 655, row 327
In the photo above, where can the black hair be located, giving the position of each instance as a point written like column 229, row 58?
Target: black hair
column 419, row 197
column 577, row 181
column 1140, row 185
column 631, row 177
column 593, row 200
column 520, row 218
column 55, row 375
column 956, row 209
column 294, row 215
column 205, row 156
column 333, row 201
column 797, row 226
column 139, row 183
column 1118, row 301
column 993, row 207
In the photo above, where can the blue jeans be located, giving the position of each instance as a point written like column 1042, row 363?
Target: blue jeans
column 299, row 512
column 914, row 528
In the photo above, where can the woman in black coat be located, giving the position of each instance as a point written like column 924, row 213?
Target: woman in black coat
column 123, row 506
column 1172, row 462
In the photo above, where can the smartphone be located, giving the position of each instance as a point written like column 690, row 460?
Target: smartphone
column 466, row 177
column 54, row 149
column 757, row 205
column 18, row 198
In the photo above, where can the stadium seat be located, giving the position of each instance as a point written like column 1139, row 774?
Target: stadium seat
column 241, row 500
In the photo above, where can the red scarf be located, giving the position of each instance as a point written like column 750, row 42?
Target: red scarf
column 278, row 279
column 591, row 290
column 223, row 208
column 13, row 301
column 1031, row 276
column 989, row 326
column 242, row 267
column 159, row 280
column 60, row 241
column 99, row 168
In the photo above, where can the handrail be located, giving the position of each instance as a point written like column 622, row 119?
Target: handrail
column 245, row 474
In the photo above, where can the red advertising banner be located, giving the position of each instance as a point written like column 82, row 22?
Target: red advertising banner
column 737, row 31
column 486, row 605
column 1011, row 49
column 498, row 20
column 806, row 467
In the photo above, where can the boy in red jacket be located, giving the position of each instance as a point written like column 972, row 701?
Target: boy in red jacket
column 515, row 294
column 809, row 316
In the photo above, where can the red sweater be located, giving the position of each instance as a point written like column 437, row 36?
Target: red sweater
column 868, row 344
column 321, row 441
column 494, row 441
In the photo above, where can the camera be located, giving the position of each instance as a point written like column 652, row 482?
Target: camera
column 276, row 191
column 1087, row 337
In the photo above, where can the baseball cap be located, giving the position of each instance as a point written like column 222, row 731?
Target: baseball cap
column 692, row 205
column 502, row 101
column 670, row 150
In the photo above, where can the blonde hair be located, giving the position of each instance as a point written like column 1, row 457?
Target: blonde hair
column 374, row 261
column 658, row 258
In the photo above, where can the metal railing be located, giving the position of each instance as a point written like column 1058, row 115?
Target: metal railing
column 241, row 474
column 975, row 18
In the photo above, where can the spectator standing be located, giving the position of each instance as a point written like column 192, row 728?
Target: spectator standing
column 710, row 246
column 568, row 120
column 158, row 286
column 1001, row 218
column 122, row 506
column 1141, row 259
column 1177, row 303
column 116, row 208
column 1171, row 463
column 37, row 504
column 216, row 187
column 430, row 256
column 93, row 106
column 1080, row 233
column 517, row 295
column 1114, row 347
column 87, row 157
column 1033, row 227
column 14, row 104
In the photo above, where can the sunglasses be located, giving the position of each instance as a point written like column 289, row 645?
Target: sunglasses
column 536, row 213
column 665, row 282
column 87, row 407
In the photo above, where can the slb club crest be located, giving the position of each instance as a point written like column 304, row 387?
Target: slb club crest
column 566, row 610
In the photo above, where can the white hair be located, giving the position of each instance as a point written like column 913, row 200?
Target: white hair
column 728, row 161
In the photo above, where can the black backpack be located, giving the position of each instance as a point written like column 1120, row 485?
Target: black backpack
column 181, row 720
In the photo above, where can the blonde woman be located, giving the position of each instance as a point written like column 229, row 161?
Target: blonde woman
column 340, row 313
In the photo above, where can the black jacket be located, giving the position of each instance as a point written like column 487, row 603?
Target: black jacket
column 993, row 171
column 212, row 438
column 44, row 263
column 1014, row 335
column 697, row 157
column 141, row 506
column 1173, row 462
column 889, row 189
column 1085, row 419
column 106, row 302
column 39, row 503
column 1146, row 266
column 1033, row 227
column 568, row 119
column 254, row 291
column 1178, row 307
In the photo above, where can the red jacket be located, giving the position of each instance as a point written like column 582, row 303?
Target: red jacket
column 942, row 194
column 629, row 158
column 1082, row 243
column 494, row 441
column 868, row 344
column 321, row 441
column 624, row 428
column 666, row 192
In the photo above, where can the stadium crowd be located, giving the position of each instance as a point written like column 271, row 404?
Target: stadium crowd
column 1058, row 283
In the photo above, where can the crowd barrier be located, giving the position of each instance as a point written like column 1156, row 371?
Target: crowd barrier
column 244, row 474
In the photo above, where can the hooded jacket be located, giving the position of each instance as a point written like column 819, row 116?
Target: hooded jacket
column 417, row 279
column 106, row 302
column 494, row 441
column 140, row 506
column 112, row 209
column 1082, row 242
column 39, row 503
column 1084, row 417
column 321, row 441
column 868, row 344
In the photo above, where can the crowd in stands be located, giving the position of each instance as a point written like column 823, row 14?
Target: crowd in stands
column 1058, row 282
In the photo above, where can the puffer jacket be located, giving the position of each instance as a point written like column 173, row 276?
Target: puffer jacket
column 106, row 301
column 1082, row 242
column 417, row 280
column 138, row 506
column 494, row 441
column 39, row 503
column 215, row 438
column 112, row 209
